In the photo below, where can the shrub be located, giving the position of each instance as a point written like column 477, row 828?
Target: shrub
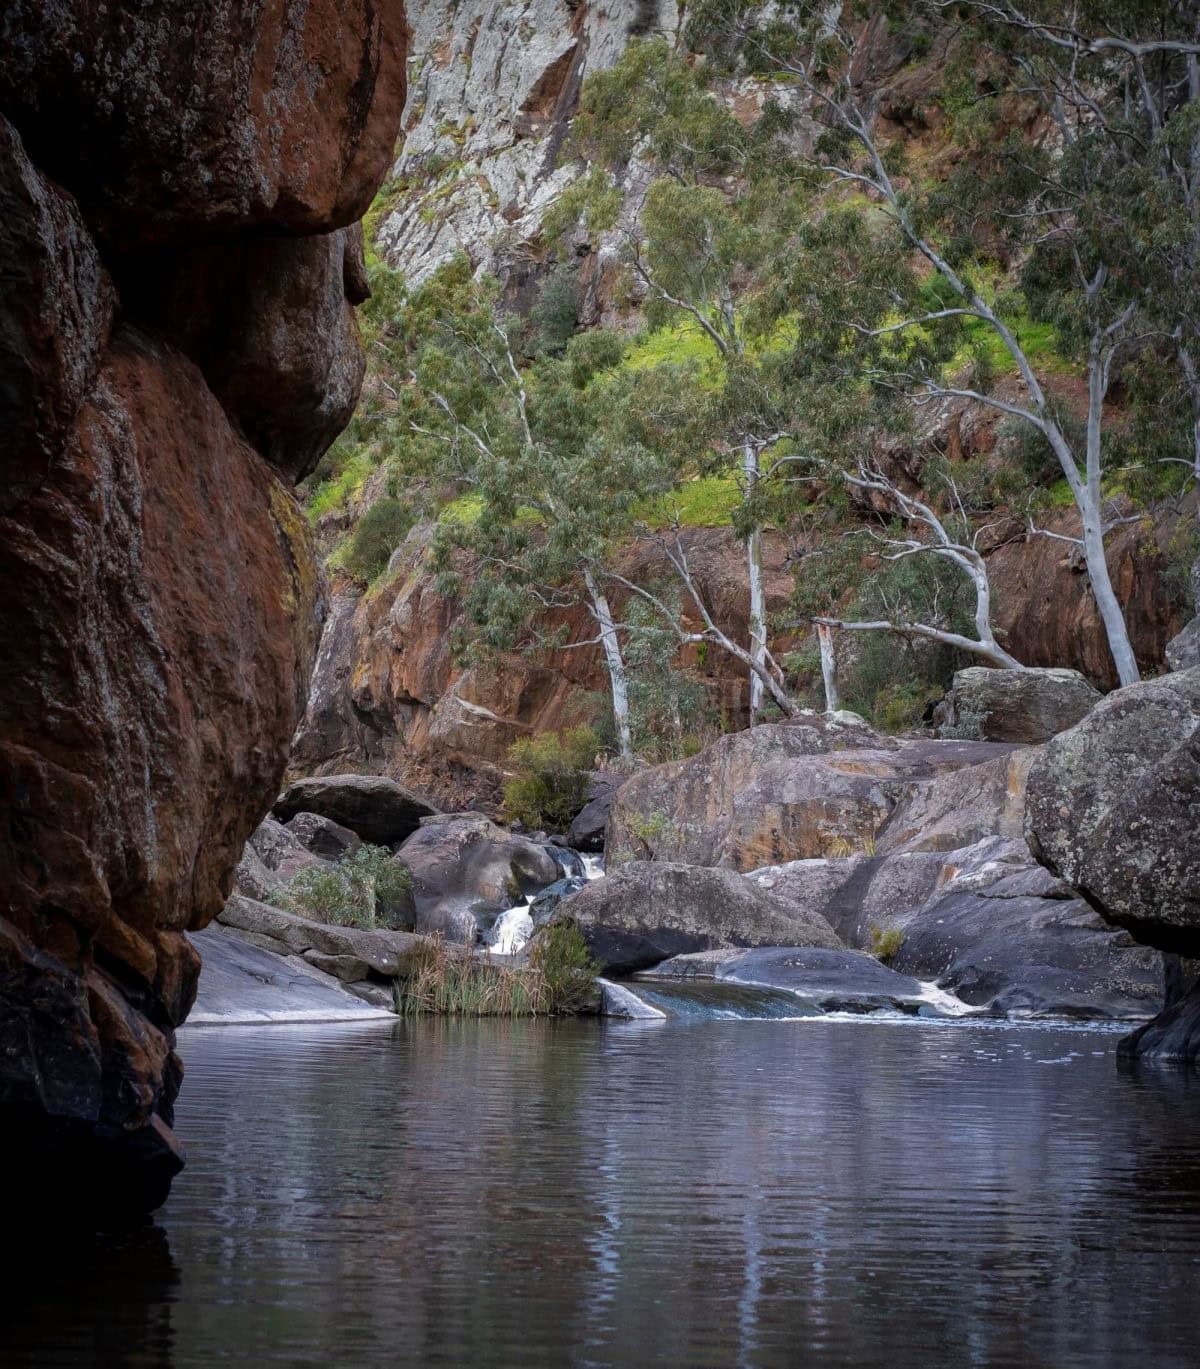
column 555, row 313
column 377, row 534
column 886, row 942
column 551, row 783
column 367, row 888
column 567, row 969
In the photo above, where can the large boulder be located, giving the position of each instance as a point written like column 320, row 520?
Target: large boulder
column 1028, row 706
column 648, row 911
column 322, row 837
column 284, row 116
column 818, row 786
column 1114, row 807
column 1173, row 1036
column 466, row 871
column 162, row 599
column 373, row 807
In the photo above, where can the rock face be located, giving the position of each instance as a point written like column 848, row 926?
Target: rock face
column 1114, row 807
column 1028, row 706
column 466, row 871
column 649, row 911
column 162, row 605
column 816, row 786
column 376, row 809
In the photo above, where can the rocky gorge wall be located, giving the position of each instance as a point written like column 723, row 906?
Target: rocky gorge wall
column 179, row 189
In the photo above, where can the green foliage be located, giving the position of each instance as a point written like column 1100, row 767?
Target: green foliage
column 449, row 981
column 555, row 312
column 886, row 943
column 344, row 481
column 670, row 713
column 367, row 888
column 552, row 775
column 566, row 968
column 376, row 535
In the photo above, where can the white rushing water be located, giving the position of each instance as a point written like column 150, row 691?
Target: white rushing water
column 514, row 926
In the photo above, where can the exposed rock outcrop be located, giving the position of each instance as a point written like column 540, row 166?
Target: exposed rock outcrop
column 377, row 809
column 1028, row 706
column 162, row 604
column 1114, row 807
column 649, row 911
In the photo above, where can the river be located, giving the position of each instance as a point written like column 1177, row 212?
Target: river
column 698, row 1192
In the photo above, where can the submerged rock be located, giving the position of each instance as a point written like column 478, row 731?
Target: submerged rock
column 374, row 808
column 1028, row 706
column 648, row 911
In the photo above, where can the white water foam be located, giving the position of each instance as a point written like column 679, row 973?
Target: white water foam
column 514, row 926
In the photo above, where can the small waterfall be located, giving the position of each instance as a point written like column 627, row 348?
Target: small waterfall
column 513, row 928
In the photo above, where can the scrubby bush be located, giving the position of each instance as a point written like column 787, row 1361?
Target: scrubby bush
column 551, row 781
column 377, row 534
column 886, row 943
column 368, row 888
column 555, row 313
column 447, row 981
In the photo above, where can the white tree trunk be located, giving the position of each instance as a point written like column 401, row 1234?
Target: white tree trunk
column 615, row 661
column 758, row 599
column 828, row 667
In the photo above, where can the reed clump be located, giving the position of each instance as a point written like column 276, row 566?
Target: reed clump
column 558, row 980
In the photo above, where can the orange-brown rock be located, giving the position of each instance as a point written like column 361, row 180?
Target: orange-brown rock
column 162, row 601
column 173, row 121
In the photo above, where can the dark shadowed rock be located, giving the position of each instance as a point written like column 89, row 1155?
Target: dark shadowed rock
column 55, row 318
column 322, row 836
column 831, row 981
column 466, row 870
column 587, row 830
column 648, row 911
column 1172, row 1037
column 376, row 809
column 280, row 850
column 1028, row 706
column 1114, row 808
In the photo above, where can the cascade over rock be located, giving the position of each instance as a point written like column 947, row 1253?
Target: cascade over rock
column 175, row 231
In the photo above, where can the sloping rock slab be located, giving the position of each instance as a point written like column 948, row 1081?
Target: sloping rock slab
column 648, row 911
column 388, row 954
column 373, row 807
column 1173, row 1037
column 241, row 984
column 833, row 981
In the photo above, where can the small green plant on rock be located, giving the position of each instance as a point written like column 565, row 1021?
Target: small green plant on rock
column 886, row 943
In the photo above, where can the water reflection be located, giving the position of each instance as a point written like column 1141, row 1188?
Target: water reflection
column 757, row 1193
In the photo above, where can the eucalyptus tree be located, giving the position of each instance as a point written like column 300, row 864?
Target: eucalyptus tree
column 1098, row 206
column 692, row 250
column 546, row 497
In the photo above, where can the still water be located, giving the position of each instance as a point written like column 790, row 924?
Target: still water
column 691, row 1193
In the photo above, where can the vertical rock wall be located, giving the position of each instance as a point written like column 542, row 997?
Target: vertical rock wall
column 177, row 345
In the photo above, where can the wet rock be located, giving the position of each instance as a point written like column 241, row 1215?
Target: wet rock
column 376, row 809
column 648, row 911
column 1027, row 706
column 586, row 832
column 543, row 907
column 1114, row 807
column 466, row 870
column 830, row 981
column 322, row 836
column 1173, row 1037
column 618, row 1001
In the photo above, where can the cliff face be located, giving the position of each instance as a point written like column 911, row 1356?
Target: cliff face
column 177, row 345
